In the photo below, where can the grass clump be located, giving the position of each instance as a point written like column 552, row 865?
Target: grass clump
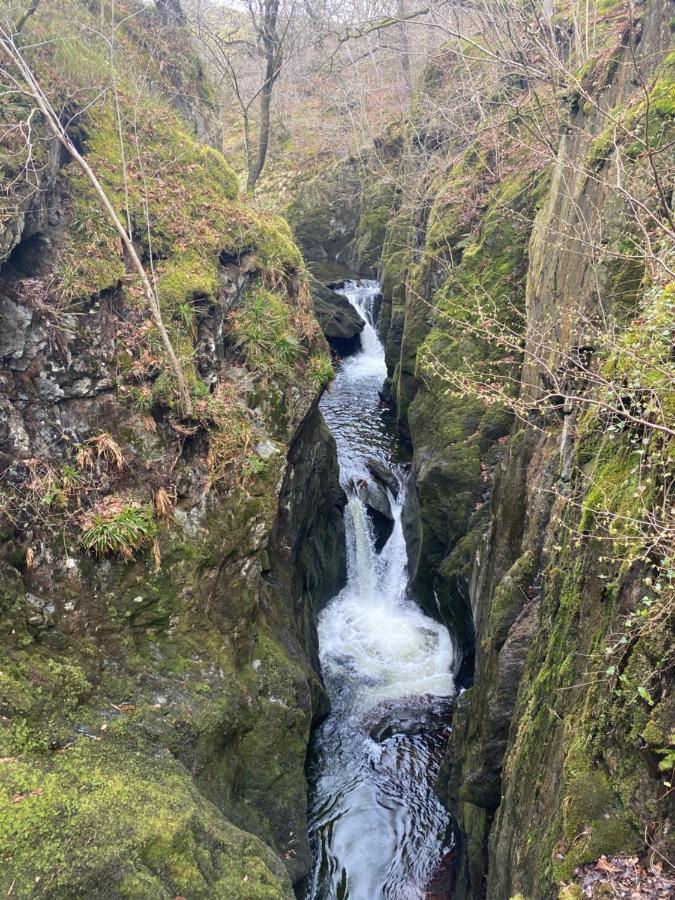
column 117, row 527
column 320, row 371
column 263, row 329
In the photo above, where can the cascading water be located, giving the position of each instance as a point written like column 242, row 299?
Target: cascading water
column 377, row 828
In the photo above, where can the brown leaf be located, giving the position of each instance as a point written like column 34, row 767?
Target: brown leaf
column 163, row 503
column 604, row 865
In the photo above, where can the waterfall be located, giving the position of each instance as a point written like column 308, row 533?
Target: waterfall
column 377, row 829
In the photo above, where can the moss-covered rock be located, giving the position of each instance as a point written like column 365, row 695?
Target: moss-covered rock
column 339, row 321
column 102, row 820
column 158, row 675
column 531, row 528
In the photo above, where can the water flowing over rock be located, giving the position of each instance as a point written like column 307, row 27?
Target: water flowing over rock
column 387, row 669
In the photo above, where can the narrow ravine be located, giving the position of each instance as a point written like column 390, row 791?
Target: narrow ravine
column 377, row 828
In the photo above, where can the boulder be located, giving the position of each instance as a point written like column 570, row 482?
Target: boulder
column 419, row 714
column 376, row 500
column 339, row 321
column 383, row 475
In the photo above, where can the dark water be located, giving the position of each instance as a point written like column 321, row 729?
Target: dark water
column 377, row 828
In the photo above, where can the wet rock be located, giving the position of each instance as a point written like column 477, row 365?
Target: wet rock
column 376, row 500
column 339, row 321
column 408, row 715
column 383, row 475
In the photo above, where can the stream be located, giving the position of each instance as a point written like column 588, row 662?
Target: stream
column 377, row 829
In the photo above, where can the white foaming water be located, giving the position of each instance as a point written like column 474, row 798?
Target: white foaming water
column 351, row 406
column 372, row 634
column 377, row 828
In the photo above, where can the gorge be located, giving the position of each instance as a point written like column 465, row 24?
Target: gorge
column 385, row 609
column 376, row 824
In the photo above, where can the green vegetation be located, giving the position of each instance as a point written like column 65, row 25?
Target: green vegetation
column 320, row 370
column 263, row 329
column 100, row 791
column 118, row 528
column 126, row 677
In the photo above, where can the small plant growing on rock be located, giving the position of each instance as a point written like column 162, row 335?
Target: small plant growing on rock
column 263, row 330
column 105, row 448
column 164, row 503
column 253, row 467
column 117, row 527
column 227, row 443
column 320, row 371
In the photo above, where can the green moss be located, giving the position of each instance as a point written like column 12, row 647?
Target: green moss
column 274, row 245
column 594, row 823
column 187, row 277
column 662, row 97
column 509, row 598
column 659, row 731
column 570, row 892
column 612, row 489
column 135, row 824
column 377, row 201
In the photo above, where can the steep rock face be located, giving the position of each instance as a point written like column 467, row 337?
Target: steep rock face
column 580, row 769
column 158, row 678
column 325, row 214
column 554, row 757
column 433, row 270
column 340, row 214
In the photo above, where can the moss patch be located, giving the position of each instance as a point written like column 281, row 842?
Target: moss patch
column 135, row 826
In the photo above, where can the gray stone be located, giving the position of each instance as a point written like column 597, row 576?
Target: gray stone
column 338, row 319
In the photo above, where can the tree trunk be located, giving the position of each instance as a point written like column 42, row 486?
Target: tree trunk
column 269, row 39
column 31, row 10
column 258, row 163
column 170, row 11
column 405, row 47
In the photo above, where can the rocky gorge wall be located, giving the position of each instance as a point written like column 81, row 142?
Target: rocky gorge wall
column 159, row 571
column 339, row 211
column 523, row 534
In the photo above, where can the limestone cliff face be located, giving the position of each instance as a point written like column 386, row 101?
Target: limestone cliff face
column 159, row 573
column 518, row 532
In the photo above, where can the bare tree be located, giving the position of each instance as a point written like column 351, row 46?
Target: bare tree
column 270, row 35
column 170, row 11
